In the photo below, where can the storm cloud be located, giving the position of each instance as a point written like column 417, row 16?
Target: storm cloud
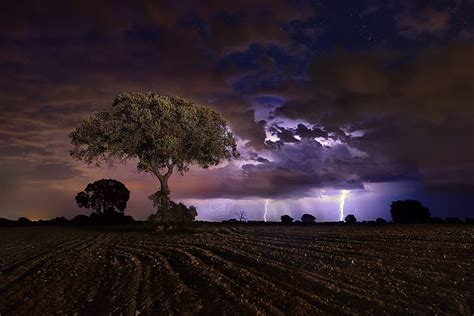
column 318, row 100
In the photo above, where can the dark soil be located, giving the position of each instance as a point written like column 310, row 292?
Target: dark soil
column 305, row 270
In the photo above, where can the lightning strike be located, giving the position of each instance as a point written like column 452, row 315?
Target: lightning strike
column 266, row 211
column 223, row 207
column 342, row 202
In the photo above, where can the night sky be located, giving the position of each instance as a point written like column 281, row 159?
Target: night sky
column 324, row 96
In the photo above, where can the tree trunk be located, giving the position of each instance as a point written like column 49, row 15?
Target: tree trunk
column 164, row 189
column 161, row 198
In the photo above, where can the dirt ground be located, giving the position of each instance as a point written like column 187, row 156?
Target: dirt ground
column 304, row 270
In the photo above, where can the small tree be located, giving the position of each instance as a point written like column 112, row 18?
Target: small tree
column 23, row 221
column 308, row 219
column 162, row 133
column 241, row 216
column 60, row 220
column 453, row 220
column 380, row 220
column 104, row 196
column 351, row 219
column 409, row 211
column 286, row 219
column 80, row 220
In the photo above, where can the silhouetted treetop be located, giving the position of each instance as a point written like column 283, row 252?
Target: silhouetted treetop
column 162, row 133
column 286, row 219
column 351, row 219
column 308, row 219
column 104, row 196
column 409, row 211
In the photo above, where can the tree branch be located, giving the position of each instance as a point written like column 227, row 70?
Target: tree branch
column 170, row 167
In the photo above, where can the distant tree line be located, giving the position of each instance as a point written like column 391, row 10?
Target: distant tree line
column 78, row 220
column 108, row 199
column 402, row 212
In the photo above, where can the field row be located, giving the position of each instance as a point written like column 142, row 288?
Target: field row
column 275, row 270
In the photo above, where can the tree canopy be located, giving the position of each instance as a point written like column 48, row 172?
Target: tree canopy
column 160, row 131
column 308, row 219
column 351, row 219
column 286, row 219
column 409, row 211
column 104, row 196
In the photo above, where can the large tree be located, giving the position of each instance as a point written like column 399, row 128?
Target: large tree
column 162, row 133
column 409, row 212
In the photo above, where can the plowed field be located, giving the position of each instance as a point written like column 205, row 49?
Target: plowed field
column 303, row 270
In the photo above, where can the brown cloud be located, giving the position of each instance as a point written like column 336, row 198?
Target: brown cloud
column 427, row 21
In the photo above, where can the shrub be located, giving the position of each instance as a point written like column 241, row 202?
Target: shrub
column 308, row 219
column 436, row 220
column 453, row 220
column 5, row 222
column 80, row 220
column 174, row 213
column 409, row 211
column 380, row 221
column 112, row 218
column 23, row 221
column 286, row 219
column 231, row 220
column 59, row 221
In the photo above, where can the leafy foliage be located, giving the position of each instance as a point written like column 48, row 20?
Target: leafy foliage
column 286, row 219
column 174, row 213
column 409, row 211
column 160, row 131
column 104, row 196
column 380, row 220
column 351, row 219
column 308, row 219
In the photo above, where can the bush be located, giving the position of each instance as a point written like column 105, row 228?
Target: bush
column 436, row 220
column 59, row 221
column 409, row 212
column 23, row 221
column 453, row 220
column 308, row 219
column 110, row 218
column 286, row 219
column 80, row 220
column 5, row 222
column 174, row 213
column 231, row 221
column 380, row 221
column 351, row 219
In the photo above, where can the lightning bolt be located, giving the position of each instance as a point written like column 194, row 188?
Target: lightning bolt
column 342, row 202
column 221, row 207
column 266, row 211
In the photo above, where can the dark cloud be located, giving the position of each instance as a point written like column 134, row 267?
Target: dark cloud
column 389, row 94
column 304, row 132
column 411, row 110
column 424, row 21
column 285, row 135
